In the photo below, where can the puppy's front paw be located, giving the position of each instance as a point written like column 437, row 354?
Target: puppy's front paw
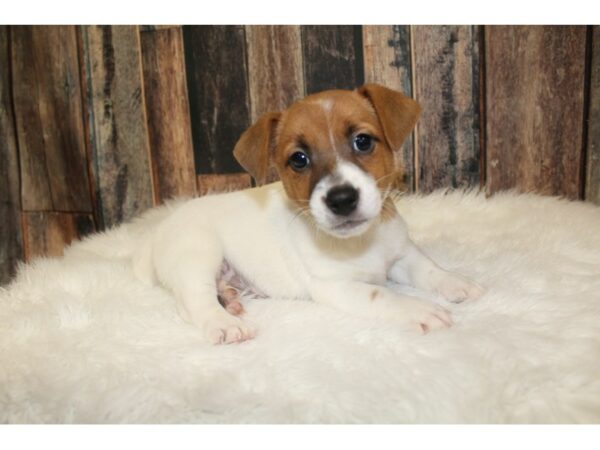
column 423, row 316
column 227, row 329
column 431, row 318
column 456, row 288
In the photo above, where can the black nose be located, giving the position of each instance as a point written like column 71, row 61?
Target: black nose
column 342, row 200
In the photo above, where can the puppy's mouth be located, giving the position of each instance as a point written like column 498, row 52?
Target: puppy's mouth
column 349, row 225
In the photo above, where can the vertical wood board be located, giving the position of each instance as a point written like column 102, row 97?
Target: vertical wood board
column 332, row 56
column 168, row 113
column 446, row 72
column 218, row 92
column 274, row 67
column 535, row 99
column 118, row 128
column 48, row 110
column 11, row 240
column 592, row 184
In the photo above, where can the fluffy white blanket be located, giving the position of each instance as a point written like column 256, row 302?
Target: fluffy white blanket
column 81, row 341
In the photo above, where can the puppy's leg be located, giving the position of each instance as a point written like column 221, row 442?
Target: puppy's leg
column 189, row 267
column 228, row 293
column 368, row 300
column 424, row 274
column 229, row 297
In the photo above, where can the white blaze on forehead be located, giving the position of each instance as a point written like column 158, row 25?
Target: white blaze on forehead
column 327, row 106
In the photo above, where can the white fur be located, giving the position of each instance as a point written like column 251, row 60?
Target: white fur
column 184, row 252
column 326, row 105
column 82, row 340
column 369, row 204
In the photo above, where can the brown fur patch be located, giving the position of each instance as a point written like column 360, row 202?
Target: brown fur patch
column 323, row 125
column 374, row 294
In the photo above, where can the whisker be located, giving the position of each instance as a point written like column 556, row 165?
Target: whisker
column 301, row 212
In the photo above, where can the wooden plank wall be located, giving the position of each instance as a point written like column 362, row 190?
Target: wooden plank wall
column 592, row 175
column 166, row 96
column 535, row 108
column 11, row 239
column 118, row 129
column 446, row 73
column 98, row 123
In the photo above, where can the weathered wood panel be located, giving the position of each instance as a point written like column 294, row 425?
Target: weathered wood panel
column 158, row 27
column 210, row 184
column 218, row 91
column 274, row 67
column 118, row 128
column 446, row 72
column 48, row 110
column 387, row 61
column 168, row 113
column 592, row 184
column 332, row 57
column 535, row 88
column 11, row 240
column 48, row 233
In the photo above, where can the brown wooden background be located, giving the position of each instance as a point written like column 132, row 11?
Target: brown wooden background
column 98, row 123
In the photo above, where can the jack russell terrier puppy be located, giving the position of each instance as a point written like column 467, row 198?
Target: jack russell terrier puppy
column 328, row 231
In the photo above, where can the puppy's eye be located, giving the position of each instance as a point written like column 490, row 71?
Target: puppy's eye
column 299, row 161
column 363, row 143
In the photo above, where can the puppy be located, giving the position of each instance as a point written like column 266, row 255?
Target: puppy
column 328, row 231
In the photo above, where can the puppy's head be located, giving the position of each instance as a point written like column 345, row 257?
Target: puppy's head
column 335, row 152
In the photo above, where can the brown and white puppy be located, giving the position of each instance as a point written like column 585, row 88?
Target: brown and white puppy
column 328, row 231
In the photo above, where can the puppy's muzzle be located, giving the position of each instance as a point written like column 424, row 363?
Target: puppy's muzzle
column 342, row 200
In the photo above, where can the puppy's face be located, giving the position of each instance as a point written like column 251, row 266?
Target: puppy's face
column 335, row 153
column 332, row 158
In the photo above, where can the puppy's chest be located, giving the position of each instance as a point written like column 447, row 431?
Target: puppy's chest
column 288, row 262
column 365, row 259
column 369, row 266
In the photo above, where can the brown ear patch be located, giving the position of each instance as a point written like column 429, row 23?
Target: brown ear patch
column 255, row 147
column 398, row 114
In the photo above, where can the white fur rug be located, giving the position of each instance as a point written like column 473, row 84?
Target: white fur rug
column 81, row 341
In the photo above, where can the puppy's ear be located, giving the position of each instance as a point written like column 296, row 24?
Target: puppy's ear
column 397, row 113
column 254, row 149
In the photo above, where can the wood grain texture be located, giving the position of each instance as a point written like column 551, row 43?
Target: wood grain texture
column 48, row 233
column 118, row 128
column 535, row 89
column 332, row 57
column 11, row 240
column 211, row 184
column 446, row 72
column 592, row 182
column 158, row 27
column 387, row 61
column 48, row 110
column 168, row 113
column 274, row 67
column 218, row 91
